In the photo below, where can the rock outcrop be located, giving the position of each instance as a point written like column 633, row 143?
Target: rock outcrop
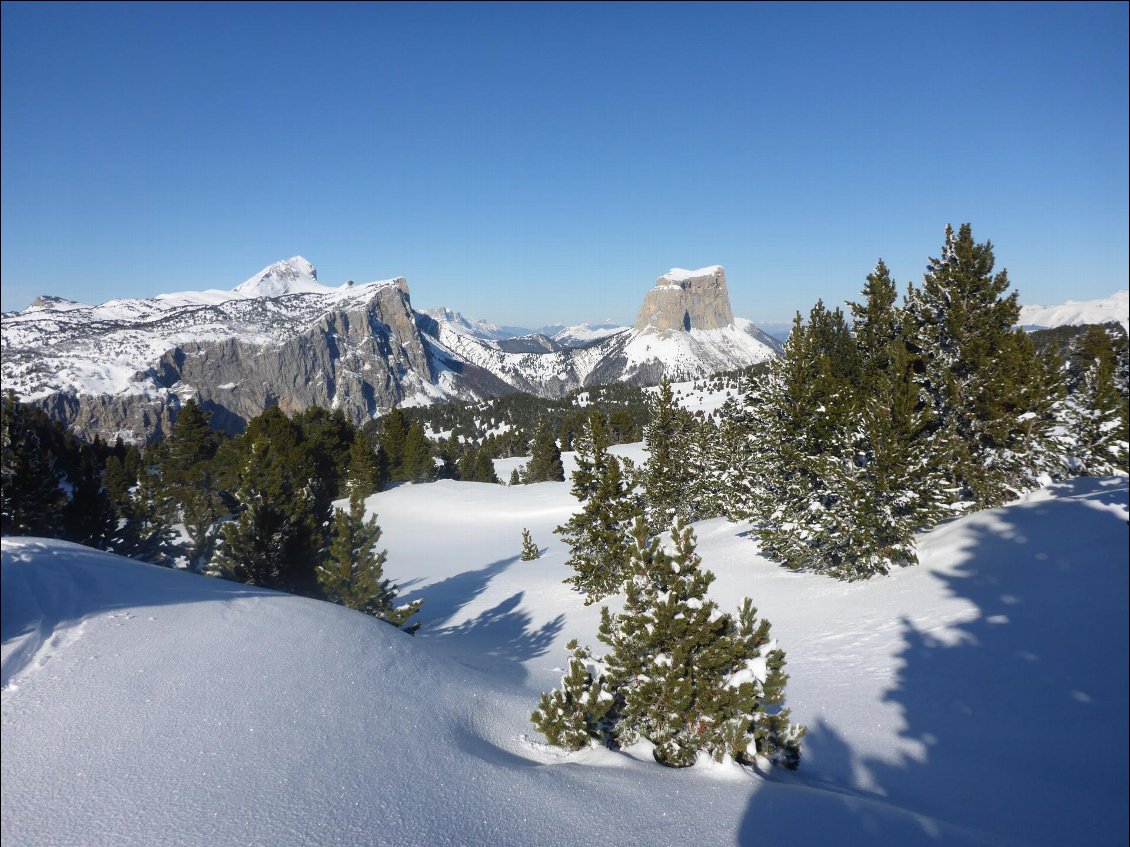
column 686, row 300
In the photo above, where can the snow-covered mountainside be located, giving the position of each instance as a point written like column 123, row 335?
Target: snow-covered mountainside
column 581, row 335
column 1115, row 308
column 476, row 329
column 282, row 338
column 979, row 698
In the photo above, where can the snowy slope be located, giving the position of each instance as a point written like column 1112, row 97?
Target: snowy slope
column 979, row 698
column 1076, row 313
column 699, row 352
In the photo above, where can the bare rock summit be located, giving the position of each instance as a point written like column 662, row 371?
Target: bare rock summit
column 685, row 300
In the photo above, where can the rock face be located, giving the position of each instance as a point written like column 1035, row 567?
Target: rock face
column 284, row 339
column 686, row 300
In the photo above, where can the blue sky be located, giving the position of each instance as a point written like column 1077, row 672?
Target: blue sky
column 529, row 164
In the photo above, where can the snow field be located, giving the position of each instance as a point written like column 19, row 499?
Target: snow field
column 979, row 698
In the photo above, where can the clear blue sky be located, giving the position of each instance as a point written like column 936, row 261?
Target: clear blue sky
column 529, row 164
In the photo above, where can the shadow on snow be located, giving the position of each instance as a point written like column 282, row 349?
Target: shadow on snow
column 1019, row 716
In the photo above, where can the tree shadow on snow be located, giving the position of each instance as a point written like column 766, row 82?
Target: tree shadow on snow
column 501, row 639
column 442, row 600
column 1015, row 721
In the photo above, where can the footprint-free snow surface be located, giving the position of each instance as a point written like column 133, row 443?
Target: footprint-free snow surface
column 978, row 698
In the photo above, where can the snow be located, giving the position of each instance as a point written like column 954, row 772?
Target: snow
column 682, row 274
column 978, row 698
column 58, row 345
column 700, row 352
column 1076, row 313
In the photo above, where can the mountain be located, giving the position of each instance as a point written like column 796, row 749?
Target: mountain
column 1115, row 308
column 282, row 338
column 581, row 335
column 979, row 698
column 475, row 329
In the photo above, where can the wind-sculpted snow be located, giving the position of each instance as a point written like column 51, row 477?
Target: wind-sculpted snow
column 979, row 698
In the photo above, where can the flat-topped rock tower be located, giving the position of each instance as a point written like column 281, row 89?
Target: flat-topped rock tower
column 685, row 300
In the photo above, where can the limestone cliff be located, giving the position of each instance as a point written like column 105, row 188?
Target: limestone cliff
column 686, row 300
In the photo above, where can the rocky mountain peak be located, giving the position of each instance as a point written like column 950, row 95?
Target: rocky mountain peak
column 291, row 276
column 685, row 300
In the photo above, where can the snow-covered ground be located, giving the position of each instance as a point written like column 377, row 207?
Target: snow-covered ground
column 979, row 698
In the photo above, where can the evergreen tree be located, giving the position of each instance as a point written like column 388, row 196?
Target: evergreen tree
column 595, row 534
column 32, row 499
column 145, row 516
column 1094, row 419
column 393, row 438
column 88, row 517
column 352, row 574
column 575, row 715
column 515, row 479
column 417, row 464
column 530, row 550
column 363, row 476
column 666, row 476
column 545, row 457
column 277, row 539
column 972, row 366
column 678, row 674
column 190, row 477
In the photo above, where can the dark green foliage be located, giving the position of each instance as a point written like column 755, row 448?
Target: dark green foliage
column 476, row 465
column 278, row 535
column 1095, row 415
column 33, row 499
column 393, row 438
column 596, row 534
column 678, row 674
column 88, row 517
column 189, row 475
column 364, row 475
column 353, row 571
column 667, row 474
column 530, row 550
column 574, row 715
column 974, row 370
column 417, row 464
column 515, row 479
column 545, row 456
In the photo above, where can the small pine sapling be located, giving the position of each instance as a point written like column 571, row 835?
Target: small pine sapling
column 573, row 716
column 530, row 550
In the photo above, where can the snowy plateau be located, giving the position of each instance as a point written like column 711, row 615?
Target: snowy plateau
column 282, row 338
column 979, row 698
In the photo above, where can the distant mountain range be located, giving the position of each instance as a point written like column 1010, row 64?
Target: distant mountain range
column 1113, row 309
column 283, row 338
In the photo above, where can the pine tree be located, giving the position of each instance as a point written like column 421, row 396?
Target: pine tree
column 393, row 437
column 530, row 550
column 145, row 515
column 545, row 457
column 678, row 674
column 190, row 478
column 352, row 574
column 515, row 479
column 1093, row 418
column 574, row 715
column 278, row 536
column 595, row 534
column 417, row 464
column 666, row 476
column 88, row 517
column 972, row 366
column 33, row 500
